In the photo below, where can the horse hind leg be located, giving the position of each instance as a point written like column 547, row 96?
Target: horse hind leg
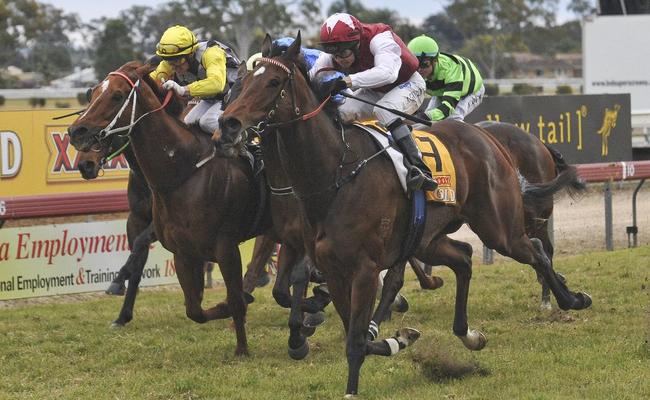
column 531, row 251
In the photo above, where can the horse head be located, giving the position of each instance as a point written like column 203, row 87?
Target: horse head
column 269, row 94
column 104, row 126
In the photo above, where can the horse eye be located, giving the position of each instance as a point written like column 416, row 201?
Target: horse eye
column 117, row 97
column 89, row 94
column 274, row 82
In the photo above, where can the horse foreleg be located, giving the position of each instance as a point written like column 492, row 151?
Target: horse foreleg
column 458, row 256
column 229, row 260
column 298, row 344
column 286, row 261
column 262, row 251
column 135, row 265
column 362, row 297
column 392, row 283
column 134, row 225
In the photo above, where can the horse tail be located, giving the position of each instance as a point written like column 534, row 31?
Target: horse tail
column 566, row 179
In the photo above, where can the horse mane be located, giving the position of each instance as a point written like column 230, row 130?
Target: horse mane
column 176, row 104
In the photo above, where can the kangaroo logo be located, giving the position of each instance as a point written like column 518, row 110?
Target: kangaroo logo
column 609, row 122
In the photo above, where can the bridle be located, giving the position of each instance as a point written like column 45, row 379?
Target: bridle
column 109, row 129
column 266, row 125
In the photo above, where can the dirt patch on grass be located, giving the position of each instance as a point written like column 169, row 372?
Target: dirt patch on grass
column 440, row 366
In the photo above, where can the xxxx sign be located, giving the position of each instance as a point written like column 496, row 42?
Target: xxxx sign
column 64, row 159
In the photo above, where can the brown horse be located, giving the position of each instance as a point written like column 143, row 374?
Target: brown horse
column 356, row 217
column 203, row 206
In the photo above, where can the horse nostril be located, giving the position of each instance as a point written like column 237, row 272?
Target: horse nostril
column 231, row 125
column 79, row 130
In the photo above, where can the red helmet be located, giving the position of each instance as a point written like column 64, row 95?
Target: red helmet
column 340, row 28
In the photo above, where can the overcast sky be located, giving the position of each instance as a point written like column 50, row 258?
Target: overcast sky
column 415, row 10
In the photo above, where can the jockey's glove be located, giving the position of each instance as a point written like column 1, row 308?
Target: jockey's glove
column 338, row 86
column 172, row 85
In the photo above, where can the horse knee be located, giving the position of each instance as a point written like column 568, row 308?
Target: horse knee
column 196, row 315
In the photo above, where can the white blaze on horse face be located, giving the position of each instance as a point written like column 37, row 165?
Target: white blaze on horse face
column 260, row 71
column 104, row 88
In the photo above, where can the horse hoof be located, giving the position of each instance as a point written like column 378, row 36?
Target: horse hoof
column 585, row 300
column 116, row 325
column 545, row 306
column 116, row 289
column 350, row 396
column 400, row 304
column 474, row 340
column 435, row 282
column 263, row 280
column 248, row 298
column 312, row 320
column 321, row 290
column 307, row 330
column 408, row 336
column 282, row 299
column 301, row 352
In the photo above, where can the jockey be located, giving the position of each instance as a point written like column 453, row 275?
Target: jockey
column 453, row 82
column 197, row 68
column 380, row 69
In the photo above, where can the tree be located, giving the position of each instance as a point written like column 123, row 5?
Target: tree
column 33, row 35
column 445, row 32
column 114, row 46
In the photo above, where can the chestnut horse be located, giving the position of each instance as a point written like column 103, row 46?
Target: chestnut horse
column 203, row 205
column 356, row 217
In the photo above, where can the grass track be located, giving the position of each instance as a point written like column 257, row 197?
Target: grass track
column 67, row 351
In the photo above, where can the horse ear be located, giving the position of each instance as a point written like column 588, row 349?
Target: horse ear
column 145, row 69
column 266, row 45
column 294, row 50
column 242, row 70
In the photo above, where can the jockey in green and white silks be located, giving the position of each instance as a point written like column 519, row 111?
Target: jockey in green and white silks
column 453, row 82
column 196, row 68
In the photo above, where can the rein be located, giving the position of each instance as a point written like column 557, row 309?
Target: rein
column 109, row 130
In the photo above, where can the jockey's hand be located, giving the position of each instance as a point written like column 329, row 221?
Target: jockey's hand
column 172, row 85
column 339, row 85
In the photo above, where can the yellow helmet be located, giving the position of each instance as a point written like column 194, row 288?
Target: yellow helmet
column 176, row 41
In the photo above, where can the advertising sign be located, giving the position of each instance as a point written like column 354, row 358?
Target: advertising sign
column 74, row 258
column 616, row 56
column 585, row 129
column 36, row 157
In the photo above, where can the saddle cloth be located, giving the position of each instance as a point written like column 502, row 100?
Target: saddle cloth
column 434, row 153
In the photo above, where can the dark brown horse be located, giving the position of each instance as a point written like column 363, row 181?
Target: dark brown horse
column 537, row 163
column 203, row 205
column 356, row 221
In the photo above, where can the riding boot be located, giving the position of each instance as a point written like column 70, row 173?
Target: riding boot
column 419, row 176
